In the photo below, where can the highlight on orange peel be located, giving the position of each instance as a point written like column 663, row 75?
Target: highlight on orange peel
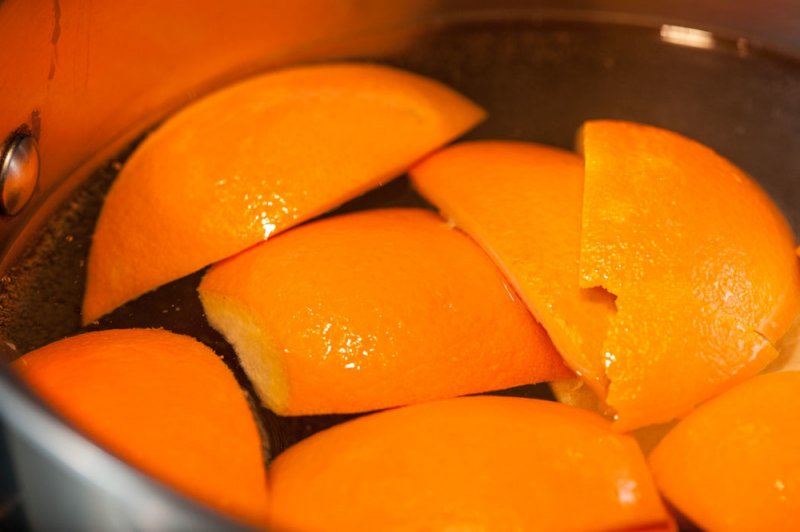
column 522, row 203
column 373, row 310
column 257, row 158
column 701, row 261
column 473, row 463
column 734, row 462
column 163, row 402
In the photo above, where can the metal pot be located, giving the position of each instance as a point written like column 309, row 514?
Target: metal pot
column 82, row 80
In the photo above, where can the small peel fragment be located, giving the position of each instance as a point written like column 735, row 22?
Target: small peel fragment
column 575, row 392
column 701, row 261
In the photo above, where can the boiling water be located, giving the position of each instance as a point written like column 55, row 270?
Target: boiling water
column 539, row 80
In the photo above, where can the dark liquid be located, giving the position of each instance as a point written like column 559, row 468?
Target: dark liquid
column 539, row 81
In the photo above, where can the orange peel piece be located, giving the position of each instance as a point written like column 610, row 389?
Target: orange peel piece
column 255, row 159
column 473, row 463
column 522, row 203
column 164, row 402
column 734, row 462
column 372, row 310
column 700, row 259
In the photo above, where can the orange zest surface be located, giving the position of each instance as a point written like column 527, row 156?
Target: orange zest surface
column 701, row 261
column 165, row 403
column 522, row 202
column 257, row 158
column 372, row 310
column 473, row 463
column 734, row 463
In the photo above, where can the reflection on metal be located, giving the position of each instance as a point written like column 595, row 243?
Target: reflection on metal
column 107, row 70
column 19, row 173
column 686, row 36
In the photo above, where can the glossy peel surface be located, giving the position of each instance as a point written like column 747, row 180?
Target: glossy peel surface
column 700, row 259
column 165, row 403
column 371, row 310
column 474, row 463
column 257, row 158
column 734, row 463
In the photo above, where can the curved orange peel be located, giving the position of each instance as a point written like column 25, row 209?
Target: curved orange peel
column 372, row 310
column 734, row 462
column 700, row 259
column 164, row 402
column 255, row 159
column 473, row 463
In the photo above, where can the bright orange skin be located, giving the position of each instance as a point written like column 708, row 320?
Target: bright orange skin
column 474, row 463
column 255, row 159
column 734, row 463
column 522, row 203
column 701, row 261
column 163, row 402
column 372, row 310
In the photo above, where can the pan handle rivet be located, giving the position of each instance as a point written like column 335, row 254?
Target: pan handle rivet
column 19, row 173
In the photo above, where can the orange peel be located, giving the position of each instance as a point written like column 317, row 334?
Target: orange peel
column 473, row 463
column 372, row 310
column 733, row 463
column 257, row 158
column 702, row 263
column 164, row 402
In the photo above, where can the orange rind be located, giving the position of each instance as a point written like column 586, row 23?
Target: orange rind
column 474, row 463
column 700, row 259
column 734, row 462
column 257, row 158
column 163, row 402
column 372, row 310
column 655, row 289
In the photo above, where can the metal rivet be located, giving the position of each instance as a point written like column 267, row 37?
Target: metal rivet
column 19, row 173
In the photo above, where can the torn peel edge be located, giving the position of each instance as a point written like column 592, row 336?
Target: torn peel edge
column 788, row 344
column 788, row 350
column 671, row 415
column 596, row 397
column 599, row 402
column 623, row 423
